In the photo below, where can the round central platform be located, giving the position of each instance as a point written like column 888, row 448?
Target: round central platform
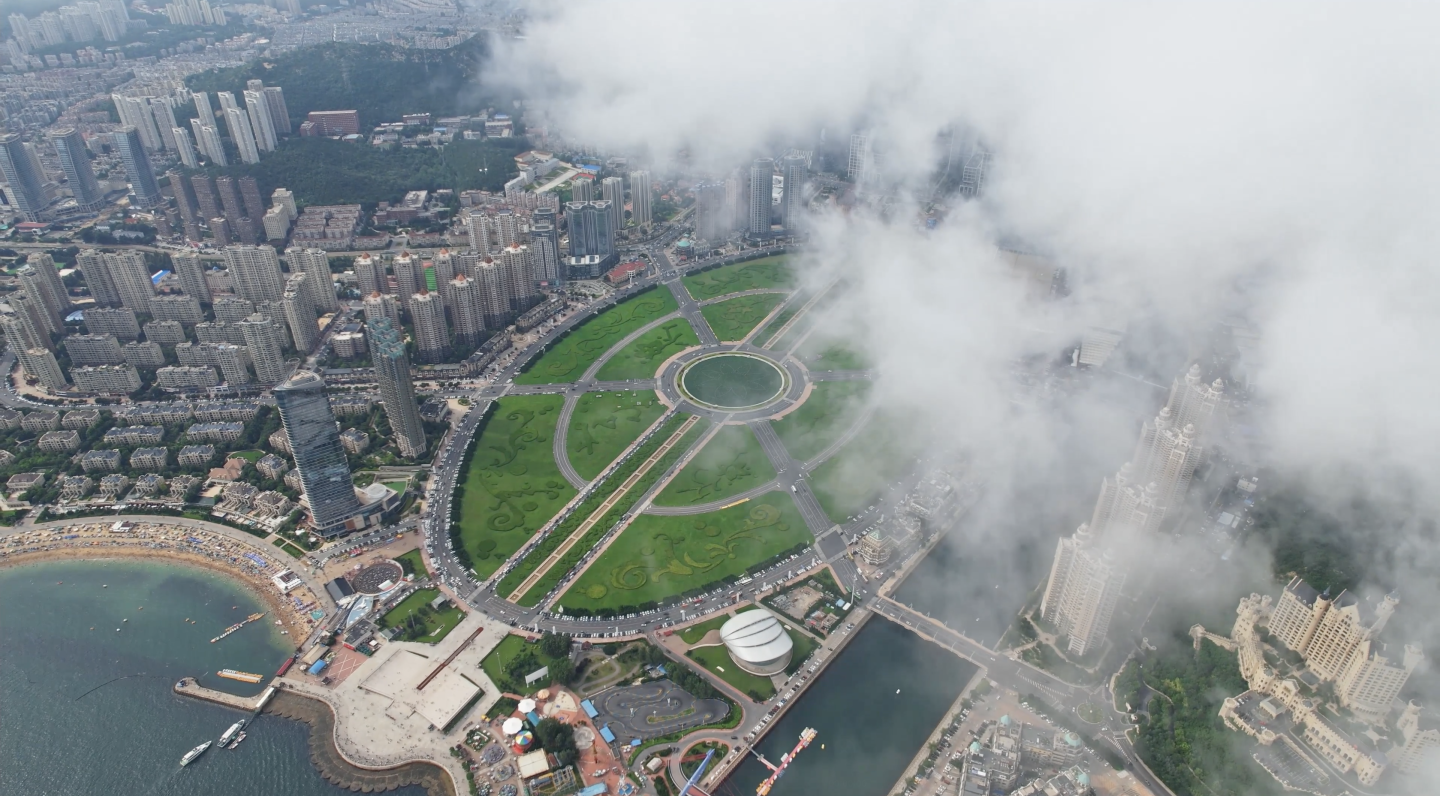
column 732, row 381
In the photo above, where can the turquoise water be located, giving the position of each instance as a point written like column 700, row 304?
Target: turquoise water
column 869, row 731
column 89, row 710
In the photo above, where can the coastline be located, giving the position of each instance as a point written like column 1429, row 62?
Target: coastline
column 274, row 602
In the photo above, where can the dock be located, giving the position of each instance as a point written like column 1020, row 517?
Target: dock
column 188, row 686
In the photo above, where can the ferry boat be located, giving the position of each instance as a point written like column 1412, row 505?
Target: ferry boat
column 237, row 740
column 194, row 753
column 230, row 733
column 244, row 677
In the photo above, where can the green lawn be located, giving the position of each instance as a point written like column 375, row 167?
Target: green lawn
column 825, row 416
column 569, row 358
column 732, row 319
column 249, row 456
column 425, row 623
column 824, row 354
column 510, row 486
column 398, row 486
column 729, row 464
column 804, row 646
column 294, row 551
column 642, row 358
column 859, row 472
column 621, row 507
column 761, row 274
column 718, row 661
column 413, row 563
column 693, row 633
column 659, row 557
column 604, row 423
column 497, row 664
column 778, row 322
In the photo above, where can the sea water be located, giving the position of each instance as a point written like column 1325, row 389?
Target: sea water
column 88, row 709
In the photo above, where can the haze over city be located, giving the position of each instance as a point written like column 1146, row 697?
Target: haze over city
column 693, row 359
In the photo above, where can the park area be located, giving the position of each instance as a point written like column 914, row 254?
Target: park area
column 418, row 621
column 832, row 408
column 766, row 273
column 516, row 657
column 510, row 486
column 603, row 424
column 819, row 353
column 861, row 470
column 568, row 358
column 412, row 563
column 717, row 660
column 732, row 319
column 658, row 557
column 642, row 358
column 730, row 463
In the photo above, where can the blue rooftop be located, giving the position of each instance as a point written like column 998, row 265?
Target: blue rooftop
column 155, row 279
column 589, row 708
column 606, row 734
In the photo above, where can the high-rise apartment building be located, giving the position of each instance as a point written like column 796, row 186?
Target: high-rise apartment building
column 27, row 183
column 40, row 279
column 184, row 148
column 469, row 323
column 263, row 344
column 250, row 194
column 135, row 112
column 315, row 264
column 119, row 321
column 279, row 114
column 191, row 273
column 612, row 190
column 41, row 323
column 591, row 236
column 237, row 121
column 137, row 167
column 1082, row 592
column 256, row 271
column 762, row 197
column 382, row 305
column 519, row 278
column 641, row 211
column 432, row 340
column 397, row 392
column 40, row 363
column 861, row 163
column 91, row 263
column 370, row 275
column 1133, row 502
column 93, row 349
column 490, row 287
column 180, row 308
column 51, row 316
column 545, row 248
column 795, row 170
column 74, row 161
column 300, row 312
column 409, row 278
column 582, row 188
column 131, row 278
column 258, row 108
column 1372, row 680
column 712, row 218
column 315, row 443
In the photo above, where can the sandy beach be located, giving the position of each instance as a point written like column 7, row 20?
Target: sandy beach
column 297, row 622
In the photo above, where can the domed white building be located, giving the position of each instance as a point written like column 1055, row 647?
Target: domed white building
column 757, row 642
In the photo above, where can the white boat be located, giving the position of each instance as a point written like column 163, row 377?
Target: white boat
column 194, row 753
column 230, row 733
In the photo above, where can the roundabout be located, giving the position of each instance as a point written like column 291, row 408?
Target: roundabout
column 732, row 381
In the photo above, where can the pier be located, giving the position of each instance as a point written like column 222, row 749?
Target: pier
column 189, row 686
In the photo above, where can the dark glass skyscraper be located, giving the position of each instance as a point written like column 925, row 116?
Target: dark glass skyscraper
column 315, row 441
column 137, row 167
column 27, row 184
column 397, row 391
column 76, row 164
